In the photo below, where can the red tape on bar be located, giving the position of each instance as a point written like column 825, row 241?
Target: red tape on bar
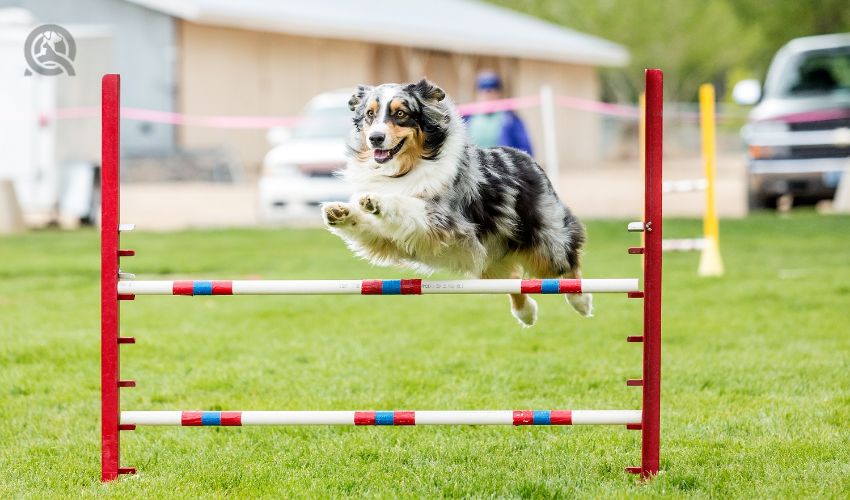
column 222, row 288
column 183, row 288
column 371, row 287
column 561, row 417
column 569, row 286
column 523, row 417
column 364, row 418
column 531, row 286
column 231, row 418
column 191, row 418
column 404, row 418
column 411, row 287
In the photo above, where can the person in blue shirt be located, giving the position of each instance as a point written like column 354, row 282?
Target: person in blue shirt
column 501, row 128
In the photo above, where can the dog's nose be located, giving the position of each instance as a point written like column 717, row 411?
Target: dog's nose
column 377, row 138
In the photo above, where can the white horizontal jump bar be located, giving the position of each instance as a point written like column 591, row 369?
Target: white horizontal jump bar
column 356, row 287
column 684, row 186
column 451, row 417
column 683, row 245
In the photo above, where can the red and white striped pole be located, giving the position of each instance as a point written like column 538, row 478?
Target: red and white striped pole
column 380, row 418
column 376, row 287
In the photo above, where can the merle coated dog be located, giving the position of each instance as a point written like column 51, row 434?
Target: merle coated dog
column 428, row 199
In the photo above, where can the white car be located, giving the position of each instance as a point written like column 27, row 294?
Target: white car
column 298, row 171
column 798, row 135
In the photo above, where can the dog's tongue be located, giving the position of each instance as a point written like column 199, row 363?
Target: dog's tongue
column 382, row 154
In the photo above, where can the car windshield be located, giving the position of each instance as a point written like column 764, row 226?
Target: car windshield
column 323, row 123
column 817, row 73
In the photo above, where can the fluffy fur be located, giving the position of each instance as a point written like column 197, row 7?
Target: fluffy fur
column 428, row 199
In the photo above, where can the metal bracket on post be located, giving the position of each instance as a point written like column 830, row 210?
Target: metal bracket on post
column 635, row 227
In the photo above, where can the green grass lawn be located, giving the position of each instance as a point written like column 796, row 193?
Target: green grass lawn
column 756, row 378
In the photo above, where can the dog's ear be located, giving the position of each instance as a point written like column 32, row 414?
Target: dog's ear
column 358, row 96
column 427, row 91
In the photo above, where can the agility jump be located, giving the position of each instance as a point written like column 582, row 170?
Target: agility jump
column 117, row 286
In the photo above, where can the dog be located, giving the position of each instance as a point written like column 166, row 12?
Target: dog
column 428, row 199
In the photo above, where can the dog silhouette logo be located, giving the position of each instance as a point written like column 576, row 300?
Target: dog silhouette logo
column 50, row 50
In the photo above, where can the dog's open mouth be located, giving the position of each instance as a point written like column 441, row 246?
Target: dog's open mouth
column 385, row 155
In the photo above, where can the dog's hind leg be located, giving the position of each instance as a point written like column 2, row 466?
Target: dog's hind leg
column 581, row 302
column 539, row 265
column 523, row 307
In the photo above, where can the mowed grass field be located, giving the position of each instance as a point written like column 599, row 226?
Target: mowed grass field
column 756, row 377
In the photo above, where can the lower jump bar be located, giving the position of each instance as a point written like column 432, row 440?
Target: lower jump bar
column 376, row 287
column 472, row 417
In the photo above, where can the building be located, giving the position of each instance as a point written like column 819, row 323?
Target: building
column 261, row 57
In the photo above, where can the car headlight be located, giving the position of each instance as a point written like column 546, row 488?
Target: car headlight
column 765, row 152
column 767, row 139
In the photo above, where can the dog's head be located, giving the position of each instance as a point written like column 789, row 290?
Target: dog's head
column 396, row 125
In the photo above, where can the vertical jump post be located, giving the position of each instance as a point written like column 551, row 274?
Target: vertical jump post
column 651, row 423
column 110, row 252
column 110, row 109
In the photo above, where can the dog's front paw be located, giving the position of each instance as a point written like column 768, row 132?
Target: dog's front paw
column 337, row 214
column 369, row 204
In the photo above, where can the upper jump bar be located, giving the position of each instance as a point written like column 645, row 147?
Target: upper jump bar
column 376, row 287
column 451, row 417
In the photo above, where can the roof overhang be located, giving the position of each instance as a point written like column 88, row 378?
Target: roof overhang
column 459, row 26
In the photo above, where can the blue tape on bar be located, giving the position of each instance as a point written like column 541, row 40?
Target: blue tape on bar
column 541, row 417
column 202, row 288
column 391, row 287
column 384, row 418
column 550, row 286
column 211, row 418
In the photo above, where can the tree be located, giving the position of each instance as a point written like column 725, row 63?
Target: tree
column 693, row 41
column 780, row 21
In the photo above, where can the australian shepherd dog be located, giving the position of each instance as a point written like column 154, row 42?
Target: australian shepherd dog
column 428, row 199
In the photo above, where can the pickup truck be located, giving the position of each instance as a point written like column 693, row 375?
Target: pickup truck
column 798, row 134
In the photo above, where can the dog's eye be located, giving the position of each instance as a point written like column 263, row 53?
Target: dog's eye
column 400, row 114
column 370, row 114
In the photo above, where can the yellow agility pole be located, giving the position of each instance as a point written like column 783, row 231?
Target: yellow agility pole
column 710, row 263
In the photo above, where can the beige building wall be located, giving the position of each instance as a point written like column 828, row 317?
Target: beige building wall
column 233, row 71
column 224, row 71
column 577, row 132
